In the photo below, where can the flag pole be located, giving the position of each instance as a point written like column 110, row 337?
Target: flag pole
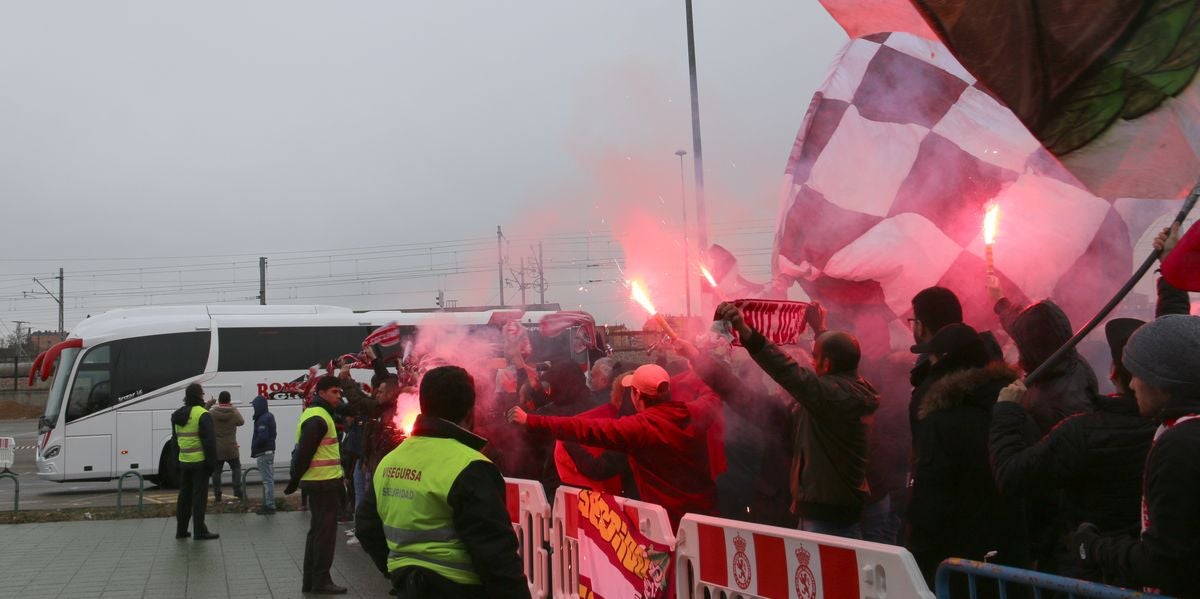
column 1040, row 371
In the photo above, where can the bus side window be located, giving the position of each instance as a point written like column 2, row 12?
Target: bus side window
column 129, row 368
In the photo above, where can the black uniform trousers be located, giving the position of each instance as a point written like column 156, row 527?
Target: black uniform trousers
column 193, row 497
column 324, row 500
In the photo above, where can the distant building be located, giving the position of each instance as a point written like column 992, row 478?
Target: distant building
column 43, row 340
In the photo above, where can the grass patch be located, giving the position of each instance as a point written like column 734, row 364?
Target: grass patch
column 130, row 512
column 11, row 410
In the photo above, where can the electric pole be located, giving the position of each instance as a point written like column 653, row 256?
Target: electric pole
column 262, row 280
column 522, row 284
column 60, row 302
column 500, row 262
column 19, row 341
column 697, row 155
column 58, row 298
column 687, row 259
column 541, row 277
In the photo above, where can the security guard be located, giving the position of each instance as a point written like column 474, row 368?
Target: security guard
column 317, row 466
column 436, row 521
column 193, row 431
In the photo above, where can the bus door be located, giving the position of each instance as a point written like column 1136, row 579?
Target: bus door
column 135, row 442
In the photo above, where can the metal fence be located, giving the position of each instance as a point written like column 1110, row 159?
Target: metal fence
column 1003, row 581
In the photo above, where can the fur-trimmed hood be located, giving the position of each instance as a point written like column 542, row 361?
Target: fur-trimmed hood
column 961, row 388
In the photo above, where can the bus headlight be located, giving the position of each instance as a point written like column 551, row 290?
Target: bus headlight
column 52, row 453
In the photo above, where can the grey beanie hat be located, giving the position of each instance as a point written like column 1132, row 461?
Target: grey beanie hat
column 1166, row 354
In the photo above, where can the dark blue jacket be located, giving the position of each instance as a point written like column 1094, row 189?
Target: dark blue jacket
column 264, row 428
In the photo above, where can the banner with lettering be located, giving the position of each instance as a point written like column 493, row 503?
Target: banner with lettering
column 616, row 560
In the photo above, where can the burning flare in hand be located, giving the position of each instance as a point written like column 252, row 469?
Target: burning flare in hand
column 991, row 222
column 639, row 295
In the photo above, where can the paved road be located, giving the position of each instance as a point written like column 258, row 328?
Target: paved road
column 38, row 494
column 256, row 556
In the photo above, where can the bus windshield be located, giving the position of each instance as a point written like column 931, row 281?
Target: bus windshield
column 58, row 389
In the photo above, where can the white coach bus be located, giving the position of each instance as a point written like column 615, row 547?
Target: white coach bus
column 120, row 375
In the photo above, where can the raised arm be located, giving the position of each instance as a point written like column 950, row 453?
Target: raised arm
column 620, row 434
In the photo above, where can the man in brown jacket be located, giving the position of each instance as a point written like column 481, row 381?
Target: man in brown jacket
column 226, row 419
column 833, row 409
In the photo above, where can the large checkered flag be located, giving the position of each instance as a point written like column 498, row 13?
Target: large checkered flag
column 886, row 186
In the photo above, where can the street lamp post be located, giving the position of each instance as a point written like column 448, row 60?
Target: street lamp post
column 687, row 256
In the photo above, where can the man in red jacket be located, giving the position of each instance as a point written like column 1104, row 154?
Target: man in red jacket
column 667, row 443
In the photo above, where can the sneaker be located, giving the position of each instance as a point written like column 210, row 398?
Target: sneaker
column 264, row 511
column 349, row 532
column 352, row 541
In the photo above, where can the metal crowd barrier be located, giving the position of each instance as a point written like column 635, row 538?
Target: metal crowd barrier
column 6, row 473
column 651, row 520
column 715, row 557
column 7, row 455
column 529, row 513
column 246, row 491
column 141, row 489
column 1009, row 581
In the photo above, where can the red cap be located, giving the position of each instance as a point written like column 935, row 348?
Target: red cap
column 648, row 379
column 1182, row 266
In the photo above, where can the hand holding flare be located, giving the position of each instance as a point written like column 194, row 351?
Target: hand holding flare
column 638, row 293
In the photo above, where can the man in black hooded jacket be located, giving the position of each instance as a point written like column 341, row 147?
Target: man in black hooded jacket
column 189, row 423
column 1096, row 459
column 1164, row 358
column 955, row 509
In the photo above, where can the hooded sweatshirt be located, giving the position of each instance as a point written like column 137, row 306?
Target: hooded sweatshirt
column 1068, row 388
column 667, row 448
column 263, row 439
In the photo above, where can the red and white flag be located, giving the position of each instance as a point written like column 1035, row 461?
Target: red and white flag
column 615, row 559
column 386, row 335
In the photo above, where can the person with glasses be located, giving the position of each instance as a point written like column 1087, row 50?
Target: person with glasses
column 317, row 468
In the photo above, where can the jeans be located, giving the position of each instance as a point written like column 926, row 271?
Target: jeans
column 879, row 523
column 266, row 469
column 360, row 484
column 235, row 466
column 193, row 498
column 826, row 527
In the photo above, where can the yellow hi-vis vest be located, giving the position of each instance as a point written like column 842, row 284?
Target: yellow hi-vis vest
column 191, row 451
column 326, row 463
column 412, row 484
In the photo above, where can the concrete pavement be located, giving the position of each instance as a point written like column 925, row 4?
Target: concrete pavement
column 256, row 556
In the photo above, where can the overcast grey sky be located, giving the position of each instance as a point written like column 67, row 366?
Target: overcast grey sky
column 154, row 150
